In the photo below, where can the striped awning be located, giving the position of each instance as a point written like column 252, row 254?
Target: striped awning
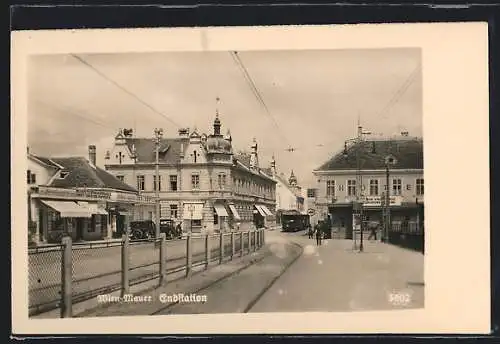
column 220, row 210
column 68, row 208
column 236, row 215
column 266, row 210
column 260, row 210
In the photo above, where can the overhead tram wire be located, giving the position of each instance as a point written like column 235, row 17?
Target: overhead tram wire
column 75, row 114
column 133, row 95
column 257, row 95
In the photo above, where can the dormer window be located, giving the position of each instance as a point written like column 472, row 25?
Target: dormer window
column 63, row 174
column 195, row 156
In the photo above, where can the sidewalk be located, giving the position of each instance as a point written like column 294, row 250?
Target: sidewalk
column 334, row 277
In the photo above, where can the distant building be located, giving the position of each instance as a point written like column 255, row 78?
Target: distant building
column 72, row 195
column 337, row 183
column 289, row 198
column 202, row 182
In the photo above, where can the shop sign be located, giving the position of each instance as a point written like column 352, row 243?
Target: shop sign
column 377, row 201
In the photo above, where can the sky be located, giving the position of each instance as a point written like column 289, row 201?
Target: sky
column 314, row 100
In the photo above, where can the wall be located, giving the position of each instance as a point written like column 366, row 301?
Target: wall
column 407, row 179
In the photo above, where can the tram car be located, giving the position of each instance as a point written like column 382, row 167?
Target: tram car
column 294, row 222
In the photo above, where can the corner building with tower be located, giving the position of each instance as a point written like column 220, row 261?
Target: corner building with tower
column 202, row 183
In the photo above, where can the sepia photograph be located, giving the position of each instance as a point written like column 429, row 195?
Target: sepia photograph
column 226, row 181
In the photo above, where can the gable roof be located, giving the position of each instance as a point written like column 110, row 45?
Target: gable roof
column 170, row 149
column 46, row 161
column 372, row 153
column 82, row 174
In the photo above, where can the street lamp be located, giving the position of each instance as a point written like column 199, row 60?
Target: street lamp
column 158, row 133
column 359, row 181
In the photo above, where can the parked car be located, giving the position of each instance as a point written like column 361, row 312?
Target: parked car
column 144, row 229
column 171, row 230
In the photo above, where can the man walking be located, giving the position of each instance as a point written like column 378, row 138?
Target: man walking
column 310, row 231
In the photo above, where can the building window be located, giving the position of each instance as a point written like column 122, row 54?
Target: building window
column 396, row 186
column 221, row 181
column 195, row 181
column 408, row 187
column 420, row 186
column 195, row 156
column 195, row 223
column 31, row 177
column 341, row 187
column 154, row 183
column 120, row 178
column 173, row 211
column 173, row 183
column 330, row 188
column 351, row 187
column 373, row 187
column 141, row 183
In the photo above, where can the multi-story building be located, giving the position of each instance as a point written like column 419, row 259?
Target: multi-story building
column 71, row 195
column 371, row 163
column 289, row 199
column 201, row 183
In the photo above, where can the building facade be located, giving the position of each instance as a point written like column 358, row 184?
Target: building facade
column 369, row 164
column 289, row 198
column 201, row 183
column 73, row 196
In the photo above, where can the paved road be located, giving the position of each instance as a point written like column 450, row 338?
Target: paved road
column 97, row 268
column 333, row 277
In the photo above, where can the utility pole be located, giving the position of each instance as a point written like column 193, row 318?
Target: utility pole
column 158, row 133
column 360, row 187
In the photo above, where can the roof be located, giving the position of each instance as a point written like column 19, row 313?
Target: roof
column 83, row 174
column 243, row 162
column 170, row 149
column 372, row 154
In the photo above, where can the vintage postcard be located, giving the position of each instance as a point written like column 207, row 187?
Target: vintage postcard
column 251, row 180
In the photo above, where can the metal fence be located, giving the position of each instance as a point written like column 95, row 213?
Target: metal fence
column 410, row 235
column 67, row 273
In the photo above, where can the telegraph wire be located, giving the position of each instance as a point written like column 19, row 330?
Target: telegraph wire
column 401, row 91
column 257, row 94
column 133, row 95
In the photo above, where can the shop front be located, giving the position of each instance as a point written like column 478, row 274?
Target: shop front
column 192, row 216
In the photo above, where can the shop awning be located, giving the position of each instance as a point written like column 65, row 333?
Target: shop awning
column 235, row 212
column 220, row 210
column 266, row 210
column 68, row 209
column 260, row 210
column 94, row 208
column 192, row 211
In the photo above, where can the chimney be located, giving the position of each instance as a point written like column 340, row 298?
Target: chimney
column 184, row 132
column 92, row 154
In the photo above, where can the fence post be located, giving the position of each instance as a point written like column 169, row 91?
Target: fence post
column 221, row 247
column 233, row 245
column 255, row 240
column 249, row 241
column 242, row 246
column 163, row 259
column 207, row 251
column 66, row 278
column 263, row 237
column 189, row 255
column 125, row 264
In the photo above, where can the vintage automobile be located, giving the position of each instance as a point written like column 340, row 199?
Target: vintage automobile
column 171, row 230
column 144, row 229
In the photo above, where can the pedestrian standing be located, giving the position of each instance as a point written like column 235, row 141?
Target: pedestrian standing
column 319, row 234
column 310, row 231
